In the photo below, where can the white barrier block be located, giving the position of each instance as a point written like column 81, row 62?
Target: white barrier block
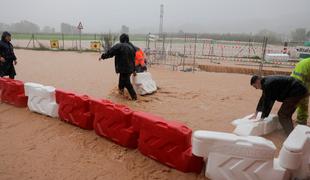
column 277, row 57
column 295, row 152
column 232, row 157
column 144, row 84
column 256, row 127
column 41, row 99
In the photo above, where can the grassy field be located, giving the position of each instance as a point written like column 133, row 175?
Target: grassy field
column 91, row 37
column 40, row 36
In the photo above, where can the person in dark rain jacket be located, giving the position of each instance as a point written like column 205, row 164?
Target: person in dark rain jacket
column 284, row 89
column 7, row 56
column 124, row 53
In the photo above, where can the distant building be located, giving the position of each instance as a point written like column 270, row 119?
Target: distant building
column 68, row 29
column 48, row 29
column 124, row 29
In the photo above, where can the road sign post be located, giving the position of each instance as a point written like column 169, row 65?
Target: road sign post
column 80, row 27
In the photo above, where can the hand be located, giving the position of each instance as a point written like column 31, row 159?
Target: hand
column 253, row 116
column 2, row 59
column 15, row 62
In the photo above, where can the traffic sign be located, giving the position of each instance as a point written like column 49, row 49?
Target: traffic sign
column 80, row 26
column 54, row 44
column 95, row 45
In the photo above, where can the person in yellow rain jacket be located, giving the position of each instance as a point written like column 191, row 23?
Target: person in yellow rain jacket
column 302, row 73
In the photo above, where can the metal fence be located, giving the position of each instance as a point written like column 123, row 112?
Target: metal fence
column 64, row 41
column 191, row 50
column 180, row 52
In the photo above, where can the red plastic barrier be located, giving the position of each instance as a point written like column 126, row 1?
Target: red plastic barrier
column 74, row 109
column 168, row 142
column 12, row 92
column 113, row 121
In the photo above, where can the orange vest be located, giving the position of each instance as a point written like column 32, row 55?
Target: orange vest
column 139, row 58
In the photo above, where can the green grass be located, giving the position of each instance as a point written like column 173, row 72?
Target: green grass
column 91, row 37
column 40, row 36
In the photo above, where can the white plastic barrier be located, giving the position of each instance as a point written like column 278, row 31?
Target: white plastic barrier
column 277, row 57
column 232, row 157
column 41, row 99
column 256, row 127
column 144, row 84
column 295, row 152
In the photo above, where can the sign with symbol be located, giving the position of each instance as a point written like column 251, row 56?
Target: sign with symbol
column 95, row 45
column 54, row 44
column 80, row 26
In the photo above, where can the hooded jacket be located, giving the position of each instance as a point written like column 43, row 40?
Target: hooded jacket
column 124, row 54
column 7, row 52
column 278, row 88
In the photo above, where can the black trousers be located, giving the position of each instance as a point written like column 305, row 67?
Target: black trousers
column 124, row 82
column 7, row 70
column 11, row 76
column 286, row 111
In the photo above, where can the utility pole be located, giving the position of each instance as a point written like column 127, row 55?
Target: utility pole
column 161, row 20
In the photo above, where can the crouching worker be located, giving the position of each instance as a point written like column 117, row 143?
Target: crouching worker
column 302, row 73
column 7, row 56
column 140, row 64
column 124, row 64
column 285, row 89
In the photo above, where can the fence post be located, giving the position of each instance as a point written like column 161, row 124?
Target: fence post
column 183, row 60
column 63, row 41
column 33, row 45
column 170, row 46
column 194, row 63
column 163, row 48
column 80, row 44
column 203, row 47
column 148, row 41
column 263, row 56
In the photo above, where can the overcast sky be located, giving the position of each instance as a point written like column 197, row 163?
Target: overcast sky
column 143, row 15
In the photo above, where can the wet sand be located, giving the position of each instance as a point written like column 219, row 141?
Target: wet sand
column 34, row 146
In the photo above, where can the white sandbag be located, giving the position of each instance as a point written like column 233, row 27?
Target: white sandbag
column 41, row 99
column 144, row 84
column 232, row 157
column 295, row 152
column 256, row 127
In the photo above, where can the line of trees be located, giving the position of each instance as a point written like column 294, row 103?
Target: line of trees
column 298, row 35
column 68, row 29
column 30, row 27
column 21, row 27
